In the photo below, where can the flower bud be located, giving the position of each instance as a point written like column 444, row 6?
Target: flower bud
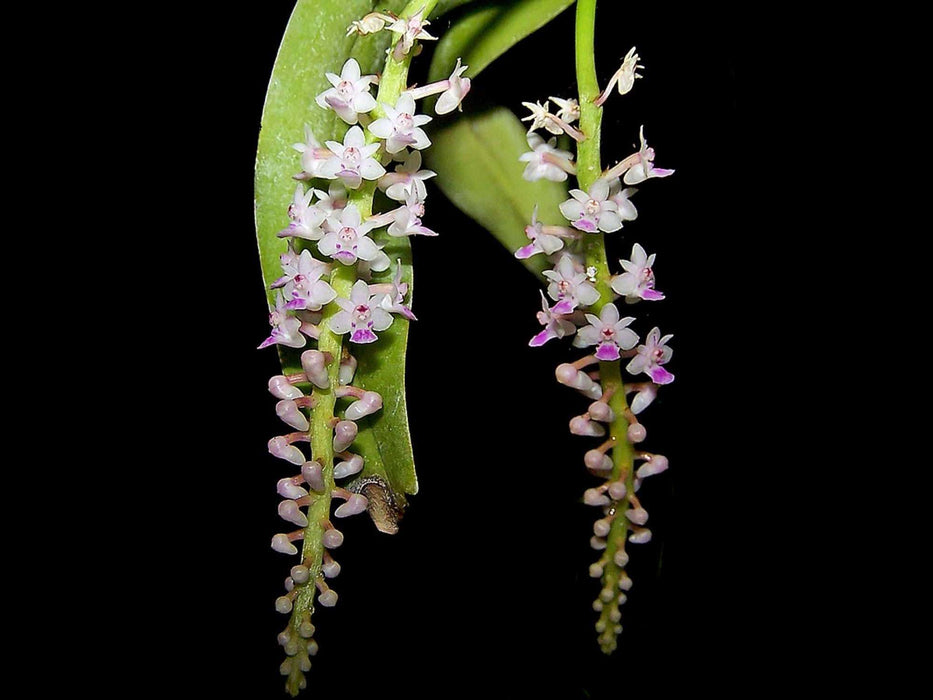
column 620, row 558
column 636, row 432
column 357, row 503
column 313, row 475
column 601, row 527
column 281, row 388
column 290, row 511
column 306, row 629
column 328, row 598
column 644, row 398
column 347, row 370
column 300, row 573
column 348, row 468
column 281, row 543
column 332, row 538
column 283, row 604
column 280, row 447
column 655, row 465
column 640, row 536
column 596, row 570
column 617, row 490
column 595, row 497
column 639, row 516
column 581, row 425
column 597, row 461
column 625, row 583
column 599, row 410
column 344, row 434
column 330, row 568
column 568, row 375
column 367, row 405
column 287, row 488
column 288, row 411
column 314, row 363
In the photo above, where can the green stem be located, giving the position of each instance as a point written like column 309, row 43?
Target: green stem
column 594, row 248
column 394, row 80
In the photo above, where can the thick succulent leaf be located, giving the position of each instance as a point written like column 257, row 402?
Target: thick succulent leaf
column 445, row 6
column 486, row 32
column 476, row 159
column 315, row 42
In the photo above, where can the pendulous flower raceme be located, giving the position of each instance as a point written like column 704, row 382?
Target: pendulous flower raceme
column 326, row 302
column 583, row 304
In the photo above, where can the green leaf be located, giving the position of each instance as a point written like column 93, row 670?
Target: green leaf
column 487, row 32
column 315, row 42
column 477, row 165
column 445, row 6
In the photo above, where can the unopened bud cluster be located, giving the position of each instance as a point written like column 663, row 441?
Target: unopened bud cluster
column 573, row 307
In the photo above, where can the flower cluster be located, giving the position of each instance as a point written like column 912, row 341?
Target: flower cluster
column 326, row 294
column 575, row 308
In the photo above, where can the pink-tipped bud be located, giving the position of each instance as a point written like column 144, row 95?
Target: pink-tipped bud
column 581, row 425
column 357, row 503
column 332, row 539
column 288, row 411
column 352, row 466
column 595, row 497
column 314, row 363
column 300, row 573
column 639, row 516
column 313, row 475
column 636, row 433
column 617, row 490
column 280, row 447
column 599, row 410
column 347, row 370
column 597, row 461
column 330, row 568
column 596, row 570
column 644, row 398
column 281, row 388
column 620, row 558
column 656, row 465
column 640, row 536
column 281, row 543
column 344, row 434
column 367, row 405
column 597, row 543
column 328, row 598
column 287, row 488
column 566, row 374
column 601, row 527
column 290, row 511
column 283, row 604
column 625, row 583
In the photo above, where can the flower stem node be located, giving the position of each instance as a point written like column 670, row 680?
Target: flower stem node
column 281, row 388
column 344, row 434
column 314, row 363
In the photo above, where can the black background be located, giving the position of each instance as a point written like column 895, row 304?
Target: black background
column 485, row 589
